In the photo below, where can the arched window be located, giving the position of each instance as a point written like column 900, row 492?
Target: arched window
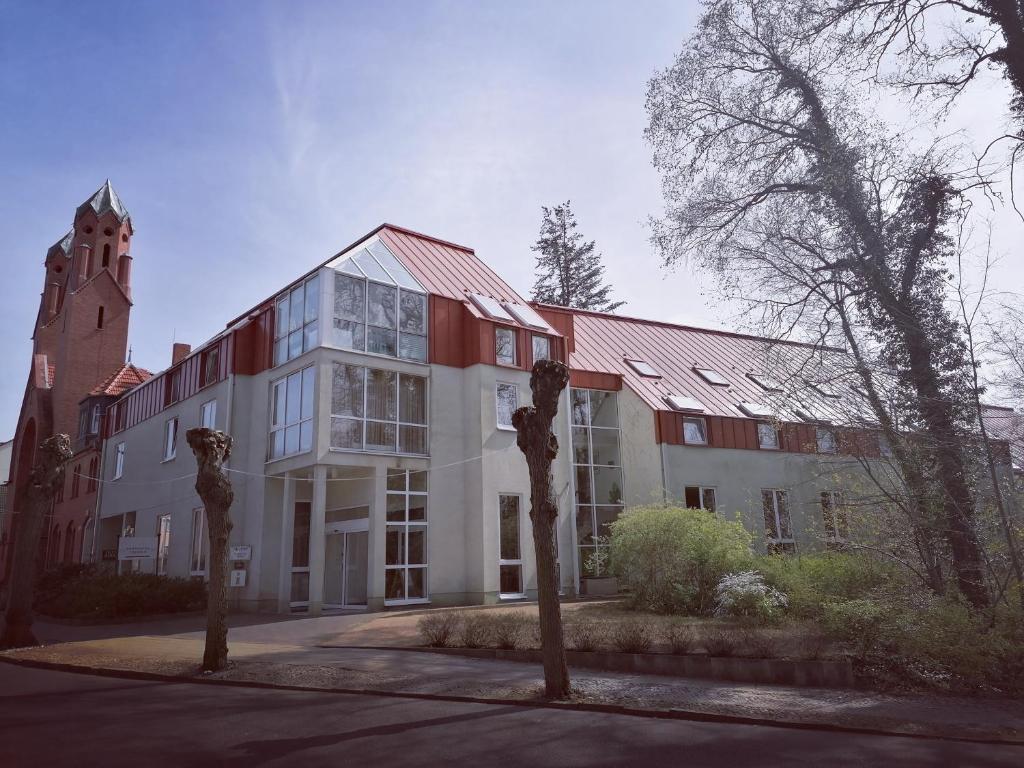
column 106, row 255
column 69, row 544
column 99, row 318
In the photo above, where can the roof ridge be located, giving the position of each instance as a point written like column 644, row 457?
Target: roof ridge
column 414, row 233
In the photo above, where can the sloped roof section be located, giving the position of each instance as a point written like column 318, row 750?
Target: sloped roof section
column 608, row 343
column 105, row 199
column 64, row 243
column 123, row 379
column 444, row 268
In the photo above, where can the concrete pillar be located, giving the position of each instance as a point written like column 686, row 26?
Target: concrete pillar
column 284, row 592
column 376, row 537
column 317, row 523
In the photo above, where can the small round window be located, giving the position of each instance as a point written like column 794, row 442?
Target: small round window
column 108, row 231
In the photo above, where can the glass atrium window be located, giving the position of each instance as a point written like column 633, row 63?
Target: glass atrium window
column 376, row 410
column 295, row 330
column 379, row 306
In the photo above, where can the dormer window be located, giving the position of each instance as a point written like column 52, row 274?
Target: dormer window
column 504, row 345
column 95, row 418
column 825, row 391
column 695, row 430
column 643, row 368
column 711, row 376
column 172, row 386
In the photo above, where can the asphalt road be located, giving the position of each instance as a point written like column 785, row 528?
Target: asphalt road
column 64, row 719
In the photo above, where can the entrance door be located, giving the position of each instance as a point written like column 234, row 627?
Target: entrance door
column 346, row 557
column 356, row 559
column 334, row 574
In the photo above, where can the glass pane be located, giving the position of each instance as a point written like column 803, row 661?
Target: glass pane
column 308, row 377
column 396, row 508
column 348, row 335
column 418, row 481
column 281, row 351
column 396, row 480
column 583, row 491
column 412, row 398
column 584, row 524
column 293, row 407
column 295, row 312
column 692, row 496
column 508, row 402
column 300, row 536
column 413, row 316
column 603, row 410
column 607, row 485
column 394, row 545
column 347, row 390
column 580, row 446
column 306, row 435
column 309, row 336
column 509, row 521
column 277, row 444
column 346, row 433
column 541, row 348
column 393, row 266
column 282, row 316
column 369, row 265
column 280, row 400
column 412, row 347
column 380, row 436
column 382, row 341
column 380, row 305
column 349, row 298
column 312, row 299
column 505, row 346
column 605, row 517
column 511, row 581
column 394, row 584
column 381, row 395
column 300, row 588
column 580, row 407
column 767, row 435
column 412, row 440
column 785, row 529
column 709, row 499
column 294, row 344
column 605, row 444
column 768, row 506
column 417, row 543
column 694, row 431
column 291, row 439
column 417, row 508
column 417, row 583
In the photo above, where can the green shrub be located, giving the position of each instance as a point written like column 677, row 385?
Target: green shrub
column 811, row 581
column 631, row 636
column 672, row 558
column 83, row 592
column 438, row 629
column 860, row 623
column 679, row 637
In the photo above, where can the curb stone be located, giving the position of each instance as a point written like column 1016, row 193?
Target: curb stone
column 617, row 709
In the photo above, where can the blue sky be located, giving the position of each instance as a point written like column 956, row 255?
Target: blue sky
column 251, row 140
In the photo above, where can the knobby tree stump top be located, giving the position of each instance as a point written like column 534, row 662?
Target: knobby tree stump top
column 211, row 448
column 547, row 380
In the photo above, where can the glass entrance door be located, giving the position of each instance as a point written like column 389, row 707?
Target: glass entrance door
column 346, row 557
column 356, row 557
column 334, row 574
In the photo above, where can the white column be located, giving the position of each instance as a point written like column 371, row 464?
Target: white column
column 375, row 540
column 284, row 591
column 317, row 523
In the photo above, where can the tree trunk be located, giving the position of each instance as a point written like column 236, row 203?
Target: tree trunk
column 46, row 477
column 537, row 442
column 212, row 449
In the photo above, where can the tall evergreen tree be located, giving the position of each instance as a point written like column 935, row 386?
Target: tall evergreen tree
column 569, row 271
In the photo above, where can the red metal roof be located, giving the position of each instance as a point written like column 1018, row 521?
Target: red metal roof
column 123, row 379
column 446, row 269
column 604, row 342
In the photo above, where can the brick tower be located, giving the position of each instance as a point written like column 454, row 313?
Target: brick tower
column 78, row 361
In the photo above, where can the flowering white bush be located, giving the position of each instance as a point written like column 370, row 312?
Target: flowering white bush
column 745, row 595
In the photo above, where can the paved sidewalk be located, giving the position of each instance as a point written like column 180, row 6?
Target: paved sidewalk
column 284, row 653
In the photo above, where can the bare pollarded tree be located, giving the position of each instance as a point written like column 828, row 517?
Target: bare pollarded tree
column 759, row 140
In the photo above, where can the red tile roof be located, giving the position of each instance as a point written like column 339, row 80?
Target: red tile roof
column 126, row 377
column 604, row 342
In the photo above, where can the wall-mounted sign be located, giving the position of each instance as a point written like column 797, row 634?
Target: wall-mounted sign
column 109, row 555
column 136, row 547
column 238, row 577
column 240, row 552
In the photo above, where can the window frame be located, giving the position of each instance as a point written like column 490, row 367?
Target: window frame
column 514, row 332
column 406, row 526
column 163, row 543
column 779, row 543
column 833, row 513
column 768, row 426
column 711, row 376
column 119, row 455
column 497, row 405
column 540, row 337
column 170, row 440
column 512, row 563
column 283, row 335
column 703, row 426
column 364, row 420
column 702, row 490
column 212, row 406
column 203, row 540
column 819, row 432
column 273, row 428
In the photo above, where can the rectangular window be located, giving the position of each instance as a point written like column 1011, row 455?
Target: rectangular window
column 95, row 419
column 163, row 543
column 405, row 547
column 541, row 348
column 200, row 543
column 119, row 453
column 504, row 345
column 507, row 398
column 833, row 513
column 884, row 447
column 777, row 525
column 825, row 439
column 695, row 430
column 295, row 327
column 210, row 367
column 208, row 414
column 510, row 556
column 698, row 497
column 300, row 554
column 377, row 410
column 170, row 438
column 767, row 436
column 597, row 471
column 291, row 417
column 711, row 376
column 172, row 386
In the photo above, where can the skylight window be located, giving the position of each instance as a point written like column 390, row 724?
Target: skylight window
column 824, row 389
column 643, row 368
column 377, row 263
column 712, row 376
column 491, row 308
column 528, row 317
column 806, row 414
column 685, row 403
column 767, row 383
column 756, row 410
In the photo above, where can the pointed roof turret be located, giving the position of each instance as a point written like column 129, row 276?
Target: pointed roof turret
column 104, row 200
column 64, row 243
